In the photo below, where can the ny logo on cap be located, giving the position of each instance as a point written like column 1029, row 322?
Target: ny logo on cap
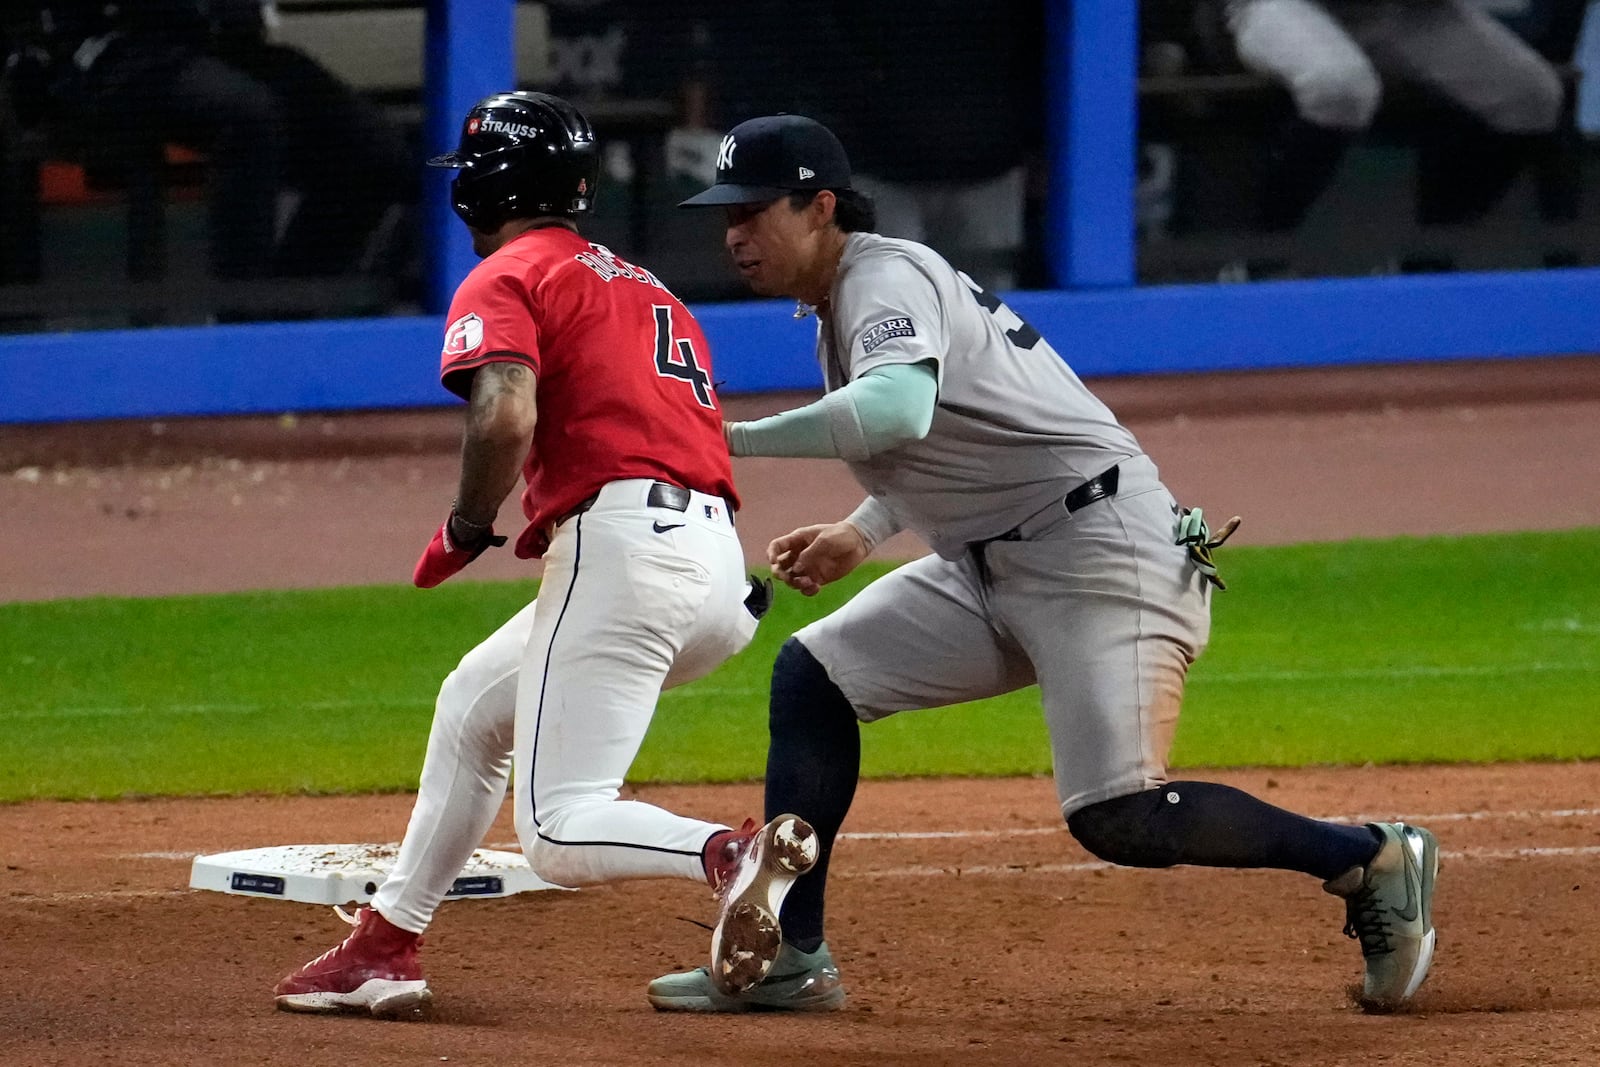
column 725, row 153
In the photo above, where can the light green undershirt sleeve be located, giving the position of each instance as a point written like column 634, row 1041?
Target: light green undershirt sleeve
column 882, row 409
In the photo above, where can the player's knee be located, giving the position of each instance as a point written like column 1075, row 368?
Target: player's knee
column 455, row 697
column 552, row 862
column 480, row 669
column 544, row 859
column 802, row 693
column 478, row 702
column 1340, row 96
column 1127, row 830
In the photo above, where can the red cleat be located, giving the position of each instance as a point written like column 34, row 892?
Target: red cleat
column 373, row 971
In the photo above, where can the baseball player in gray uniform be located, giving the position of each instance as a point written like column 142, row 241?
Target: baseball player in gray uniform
column 1059, row 559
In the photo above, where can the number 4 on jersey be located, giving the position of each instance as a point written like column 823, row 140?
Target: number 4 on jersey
column 675, row 358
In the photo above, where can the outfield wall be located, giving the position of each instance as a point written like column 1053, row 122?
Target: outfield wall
column 1099, row 319
column 760, row 347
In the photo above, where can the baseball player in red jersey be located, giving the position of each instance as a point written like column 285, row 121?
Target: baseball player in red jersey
column 555, row 341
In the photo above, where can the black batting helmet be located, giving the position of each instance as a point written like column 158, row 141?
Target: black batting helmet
column 521, row 155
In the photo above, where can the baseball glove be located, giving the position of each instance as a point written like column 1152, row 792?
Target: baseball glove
column 1193, row 534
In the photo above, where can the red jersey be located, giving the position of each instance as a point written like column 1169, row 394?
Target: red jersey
column 624, row 387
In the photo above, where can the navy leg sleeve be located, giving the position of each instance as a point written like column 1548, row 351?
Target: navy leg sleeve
column 1213, row 825
column 813, row 762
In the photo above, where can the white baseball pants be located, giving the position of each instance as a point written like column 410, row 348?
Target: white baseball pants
column 635, row 599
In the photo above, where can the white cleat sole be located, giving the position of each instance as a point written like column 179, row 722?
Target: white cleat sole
column 748, row 937
column 1424, row 962
column 376, row 996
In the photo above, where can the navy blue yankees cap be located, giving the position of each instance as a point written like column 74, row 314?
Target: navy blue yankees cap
column 772, row 156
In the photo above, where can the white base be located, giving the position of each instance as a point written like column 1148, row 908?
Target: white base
column 342, row 874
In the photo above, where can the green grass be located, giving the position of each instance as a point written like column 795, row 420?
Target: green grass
column 1468, row 649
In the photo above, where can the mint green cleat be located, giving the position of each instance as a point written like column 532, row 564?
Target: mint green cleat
column 798, row 981
column 1389, row 908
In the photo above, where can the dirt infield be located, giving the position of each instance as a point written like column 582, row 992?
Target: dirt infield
column 1000, row 947
column 996, row 941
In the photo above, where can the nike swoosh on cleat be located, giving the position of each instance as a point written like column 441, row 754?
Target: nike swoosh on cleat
column 773, row 978
column 1409, row 912
column 658, row 528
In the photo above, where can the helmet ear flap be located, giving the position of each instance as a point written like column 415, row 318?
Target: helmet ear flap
column 484, row 193
column 475, row 210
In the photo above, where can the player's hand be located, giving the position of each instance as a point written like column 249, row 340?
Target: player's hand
column 453, row 547
column 781, row 552
column 812, row 556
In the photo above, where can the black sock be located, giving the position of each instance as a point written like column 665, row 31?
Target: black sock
column 1213, row 825
column 813, row 762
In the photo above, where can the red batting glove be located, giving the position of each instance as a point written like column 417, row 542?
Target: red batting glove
column 446, row 555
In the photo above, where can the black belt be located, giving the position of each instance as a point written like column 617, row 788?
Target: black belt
column 662, row 495
column 667, row 495
column 1100, row 487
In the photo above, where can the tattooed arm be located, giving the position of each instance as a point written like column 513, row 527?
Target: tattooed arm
column 498, row 434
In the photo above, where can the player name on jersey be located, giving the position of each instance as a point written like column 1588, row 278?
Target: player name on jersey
column 605, row 263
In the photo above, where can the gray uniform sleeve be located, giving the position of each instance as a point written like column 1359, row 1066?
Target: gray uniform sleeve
column 875, row 521
column 888, row 312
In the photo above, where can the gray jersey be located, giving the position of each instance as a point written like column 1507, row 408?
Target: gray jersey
column 1014, row 429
